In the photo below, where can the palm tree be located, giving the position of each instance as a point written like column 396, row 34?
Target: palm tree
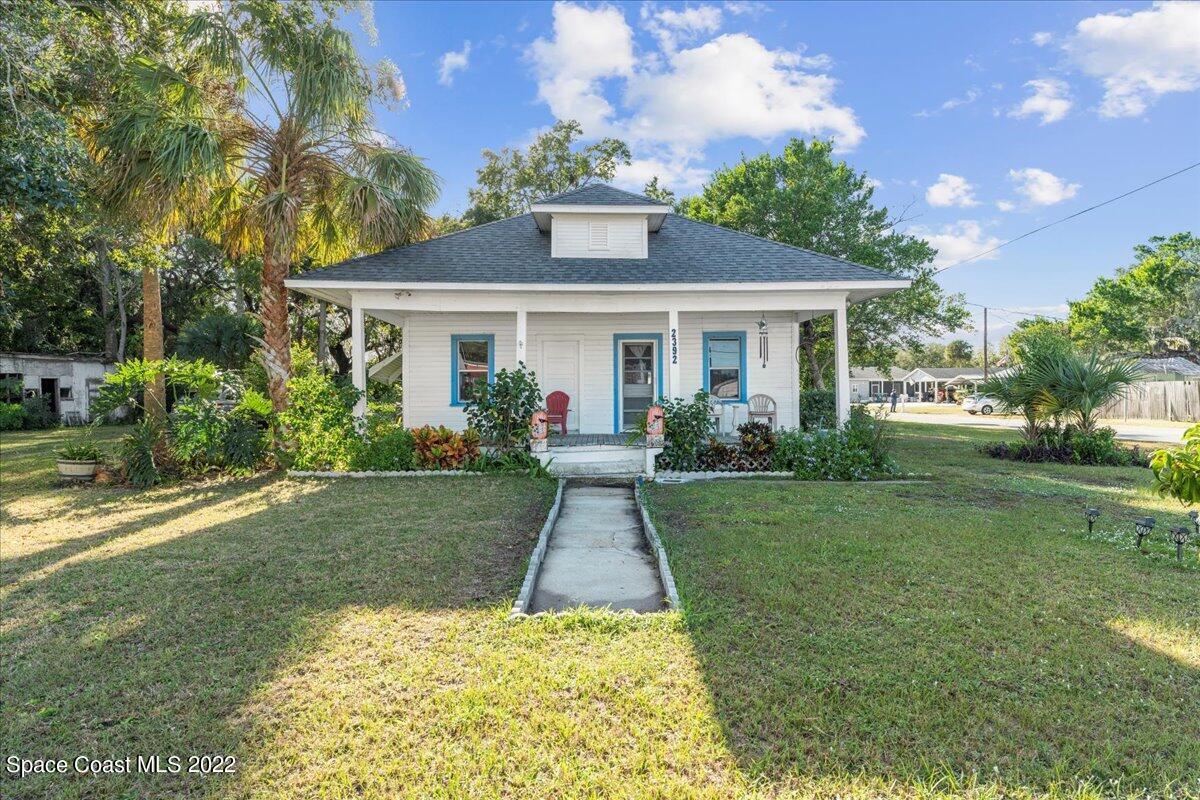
column 1018, row 390
column 263, row 129
column 1077, row 386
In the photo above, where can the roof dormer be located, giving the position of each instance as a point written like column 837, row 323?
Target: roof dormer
column 598, row 221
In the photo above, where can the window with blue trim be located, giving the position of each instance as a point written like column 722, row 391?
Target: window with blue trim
column 472, row 359
column 725, row 365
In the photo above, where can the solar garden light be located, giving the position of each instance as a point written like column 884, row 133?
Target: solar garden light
column 1091, row 514
column 1143, row 526
column 1179, row 535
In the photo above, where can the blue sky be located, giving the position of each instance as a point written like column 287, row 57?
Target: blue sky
column 984, row 120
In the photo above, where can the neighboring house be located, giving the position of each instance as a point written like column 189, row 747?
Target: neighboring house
column 68, row 383
column 924, row 383
column 608, row 297
column 387, row 370
column 868, row 384
column 1175, row 368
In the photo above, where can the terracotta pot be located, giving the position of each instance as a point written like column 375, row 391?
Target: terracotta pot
column 76, row 470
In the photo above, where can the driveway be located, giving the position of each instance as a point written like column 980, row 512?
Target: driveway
column 1129, row 431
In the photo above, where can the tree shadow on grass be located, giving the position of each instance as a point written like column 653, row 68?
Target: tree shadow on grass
column 896, row 638
column 156, row 649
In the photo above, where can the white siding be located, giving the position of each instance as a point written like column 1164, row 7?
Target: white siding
column 427, row 358
column 578, row 235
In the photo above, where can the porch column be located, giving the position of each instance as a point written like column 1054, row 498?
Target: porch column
column 673, row 355
column 842, row 363
column 358, row 358
column 522, row 323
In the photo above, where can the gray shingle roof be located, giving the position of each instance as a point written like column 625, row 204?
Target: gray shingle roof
column 514, row 251
column 601, row 194
column 1167, row 365
column 873, row 374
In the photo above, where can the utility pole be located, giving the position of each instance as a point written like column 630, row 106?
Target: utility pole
column 985, row 350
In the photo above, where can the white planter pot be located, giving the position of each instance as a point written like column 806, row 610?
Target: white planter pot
column 76, row 470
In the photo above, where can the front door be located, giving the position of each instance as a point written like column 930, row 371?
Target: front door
column 637, row 390
column 560, row 373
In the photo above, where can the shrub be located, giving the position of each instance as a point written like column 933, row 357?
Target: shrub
column 1068, row 445
column 818, row 410
column 443, row 448
column 37, row 415
column 139, row 460
column 320, row 422
column 12, row 416
column 757, row 443
column 198, row 433
column 385, row 446
column 687, row 428
column 501, row 411
column 1177, row 472
column 859, row 450
column 512, row 462
column 247, row 441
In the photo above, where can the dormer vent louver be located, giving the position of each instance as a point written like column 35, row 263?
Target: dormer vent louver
column 598, row 236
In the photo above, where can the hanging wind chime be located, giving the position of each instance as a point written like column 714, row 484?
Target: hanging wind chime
column 763, row 343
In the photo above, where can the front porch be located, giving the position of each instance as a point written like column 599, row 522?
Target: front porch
column 613, row 354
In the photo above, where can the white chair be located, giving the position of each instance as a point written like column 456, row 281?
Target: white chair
column 762, row 406
column 716, row 414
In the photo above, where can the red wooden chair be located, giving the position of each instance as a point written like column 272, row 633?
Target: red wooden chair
column 557, row 406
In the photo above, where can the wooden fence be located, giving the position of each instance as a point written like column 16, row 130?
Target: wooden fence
column 1166, row 400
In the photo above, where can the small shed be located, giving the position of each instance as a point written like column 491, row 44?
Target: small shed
column 68, row 383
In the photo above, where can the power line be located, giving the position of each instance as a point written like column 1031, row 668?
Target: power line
column 1018, row 313
column 1072, row 216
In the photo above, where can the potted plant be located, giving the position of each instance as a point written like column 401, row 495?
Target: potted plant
column 78, row 458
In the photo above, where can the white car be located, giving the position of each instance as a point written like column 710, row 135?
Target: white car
column 980, row 404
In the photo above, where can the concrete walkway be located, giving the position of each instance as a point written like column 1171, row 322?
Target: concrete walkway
column 597, row 555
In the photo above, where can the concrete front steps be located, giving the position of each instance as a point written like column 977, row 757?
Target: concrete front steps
column 597, row 460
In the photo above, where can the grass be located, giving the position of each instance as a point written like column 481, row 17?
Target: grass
column 957, row 638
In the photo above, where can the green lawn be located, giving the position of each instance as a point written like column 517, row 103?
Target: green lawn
column 348, row 638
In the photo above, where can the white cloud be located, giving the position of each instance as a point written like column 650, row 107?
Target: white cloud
column 675, row 173
column 452, row 62
column 675, row 102
column 1140, row 56
column 957, row 241
column 672, row 27
column 874, row 184
column 734, row 86
column 1040, row 187
column 951, row 190
column 1042, row 38
column 1051, row 99
column 969, row 97
column 589, row 45
column 1005, row 205
column 751, row 8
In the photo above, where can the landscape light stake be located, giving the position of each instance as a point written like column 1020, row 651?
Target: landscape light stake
column 1143, row 526
column 1092, row 514
column 1179, row 535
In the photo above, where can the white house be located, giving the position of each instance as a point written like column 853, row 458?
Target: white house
column 68, row 383
column 608, row 297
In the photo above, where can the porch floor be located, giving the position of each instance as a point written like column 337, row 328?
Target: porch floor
column 595, row 439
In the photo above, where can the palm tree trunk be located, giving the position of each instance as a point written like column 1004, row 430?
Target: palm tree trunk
column 152, row 343
column 277, row 339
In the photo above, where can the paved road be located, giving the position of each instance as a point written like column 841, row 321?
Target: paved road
column 1125, row 430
